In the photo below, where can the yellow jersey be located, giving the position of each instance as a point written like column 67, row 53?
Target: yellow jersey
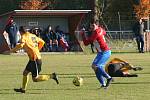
column 31, row 44
column 125, row 67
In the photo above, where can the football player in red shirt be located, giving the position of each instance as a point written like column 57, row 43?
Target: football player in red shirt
column 103, row 54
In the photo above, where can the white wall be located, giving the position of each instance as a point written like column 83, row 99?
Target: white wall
column 43, row 22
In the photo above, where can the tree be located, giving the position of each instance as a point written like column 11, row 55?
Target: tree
column 98, row 8
column 142, row 9
column 8, row 5
column 71, row 4
column 34, row 4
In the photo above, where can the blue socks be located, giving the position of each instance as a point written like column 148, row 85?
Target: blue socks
column 100, row 78
column 100, row 74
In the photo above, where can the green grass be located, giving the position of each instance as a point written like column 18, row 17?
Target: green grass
column 68, row 66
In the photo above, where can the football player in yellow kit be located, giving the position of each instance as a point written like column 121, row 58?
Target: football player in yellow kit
column 120, row 68
column 32, row 45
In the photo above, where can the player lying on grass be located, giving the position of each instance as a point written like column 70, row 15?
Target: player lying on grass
column 103, row 55
column 32, row 45
column 120, row 68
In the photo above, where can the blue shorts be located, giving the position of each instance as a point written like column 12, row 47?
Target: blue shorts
column 101, row 58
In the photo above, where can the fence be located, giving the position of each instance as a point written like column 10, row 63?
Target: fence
column 122, row 41
column 120, row 34
column 119, row 41
column 147, row 41
column 114, row 34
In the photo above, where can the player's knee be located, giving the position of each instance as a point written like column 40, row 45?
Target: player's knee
column 94, row 67
column 25, row 72
column 34, row 79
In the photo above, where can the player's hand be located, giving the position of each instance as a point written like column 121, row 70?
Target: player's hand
column 137, row 68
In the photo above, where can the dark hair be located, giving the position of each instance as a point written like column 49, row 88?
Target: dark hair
column 94, row 22
column 22, row 29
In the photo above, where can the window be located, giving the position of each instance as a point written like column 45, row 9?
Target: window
column 33, row 23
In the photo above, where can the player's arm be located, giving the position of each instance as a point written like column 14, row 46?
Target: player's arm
column 18, row 46
column 107, row 37
column 90, row 39
column 40, row 43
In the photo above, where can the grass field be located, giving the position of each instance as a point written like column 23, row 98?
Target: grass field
column 68, row 66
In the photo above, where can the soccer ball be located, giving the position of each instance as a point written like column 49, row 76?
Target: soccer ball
column 78, row 81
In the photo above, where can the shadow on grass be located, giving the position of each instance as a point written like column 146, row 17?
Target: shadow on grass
column 7, row 91
column 85, row 76
column 131, row 83
column 72, row 75
column 73, row 88
column 44, row 91
column 143, row 73
column 124, row 52
column 77, row 74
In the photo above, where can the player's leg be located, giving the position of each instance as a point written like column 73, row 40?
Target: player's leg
column 46, row 77
column 50, row 45
column 25, row 79
column 97, row 71
column 92, row 48
column 142, row 44
column 24, row 82
column 56, row 44
column 99, row 76
column 138, row 43
column 36, row 70
column 101, row 62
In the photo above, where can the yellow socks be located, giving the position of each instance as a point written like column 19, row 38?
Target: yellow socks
column 43, row 78
column 25, row 82
column 38, row 79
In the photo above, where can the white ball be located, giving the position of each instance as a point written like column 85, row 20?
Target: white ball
column 78, row 81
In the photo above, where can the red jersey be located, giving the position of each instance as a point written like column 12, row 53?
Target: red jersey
column 97, row 35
